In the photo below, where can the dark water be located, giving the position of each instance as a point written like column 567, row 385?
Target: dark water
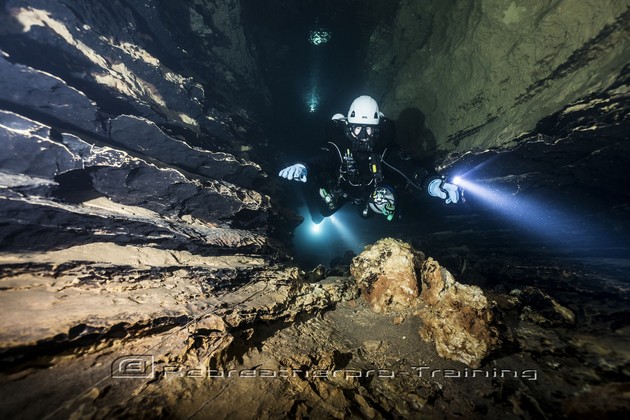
column 300, row 75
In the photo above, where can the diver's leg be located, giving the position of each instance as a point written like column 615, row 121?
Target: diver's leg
column 326, row 210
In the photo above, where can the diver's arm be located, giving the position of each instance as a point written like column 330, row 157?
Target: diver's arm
column 398, row 164
column 325, row 162
column 403, row 167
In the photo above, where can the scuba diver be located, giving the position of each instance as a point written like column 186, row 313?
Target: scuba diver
column 361, row 164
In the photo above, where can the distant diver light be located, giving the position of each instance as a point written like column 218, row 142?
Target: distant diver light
column 319, row 37
column 312, row 101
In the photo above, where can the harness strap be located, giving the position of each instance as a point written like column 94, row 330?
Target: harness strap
column 375, row 166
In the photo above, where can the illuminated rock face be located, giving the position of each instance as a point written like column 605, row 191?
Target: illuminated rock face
column 479, row 73
column 125, row 193
column 93, row 108
column 457, row 317
column 386, row 274
column 136, row 59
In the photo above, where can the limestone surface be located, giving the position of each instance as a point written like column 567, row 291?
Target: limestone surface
column 386, row 274
column 459, row 75
column 457, row 317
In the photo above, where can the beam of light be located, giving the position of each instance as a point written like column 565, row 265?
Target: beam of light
column 479, row 167
column 542, row 219
column 348, row 237
column 312, row 99
column 312, row 95
column 316, row 228
column 332, row 239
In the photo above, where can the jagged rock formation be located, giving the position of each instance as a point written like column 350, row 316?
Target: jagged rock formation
column 386, row 274
column 542, row 309
column 127, row 214
column 91, row 111
column 457, row 317
column 43, row 177
column 77, row 309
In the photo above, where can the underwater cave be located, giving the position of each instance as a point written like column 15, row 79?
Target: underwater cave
column 155, row 265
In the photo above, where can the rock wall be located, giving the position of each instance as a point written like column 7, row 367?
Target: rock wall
column 186, row 68
column 460, row 75
column 105, row 102
column 127, row 206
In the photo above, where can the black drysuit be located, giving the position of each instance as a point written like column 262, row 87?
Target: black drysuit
column 350, row 170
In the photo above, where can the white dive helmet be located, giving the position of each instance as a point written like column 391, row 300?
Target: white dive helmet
column 364, row 110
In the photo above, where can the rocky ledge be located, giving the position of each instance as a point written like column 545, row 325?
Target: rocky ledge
column 177, row 334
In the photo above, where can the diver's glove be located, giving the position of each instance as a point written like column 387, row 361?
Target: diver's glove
column 444, row 190
column 295, row 172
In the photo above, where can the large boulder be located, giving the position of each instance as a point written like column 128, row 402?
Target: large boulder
column 386, row 274
column 457, row 317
